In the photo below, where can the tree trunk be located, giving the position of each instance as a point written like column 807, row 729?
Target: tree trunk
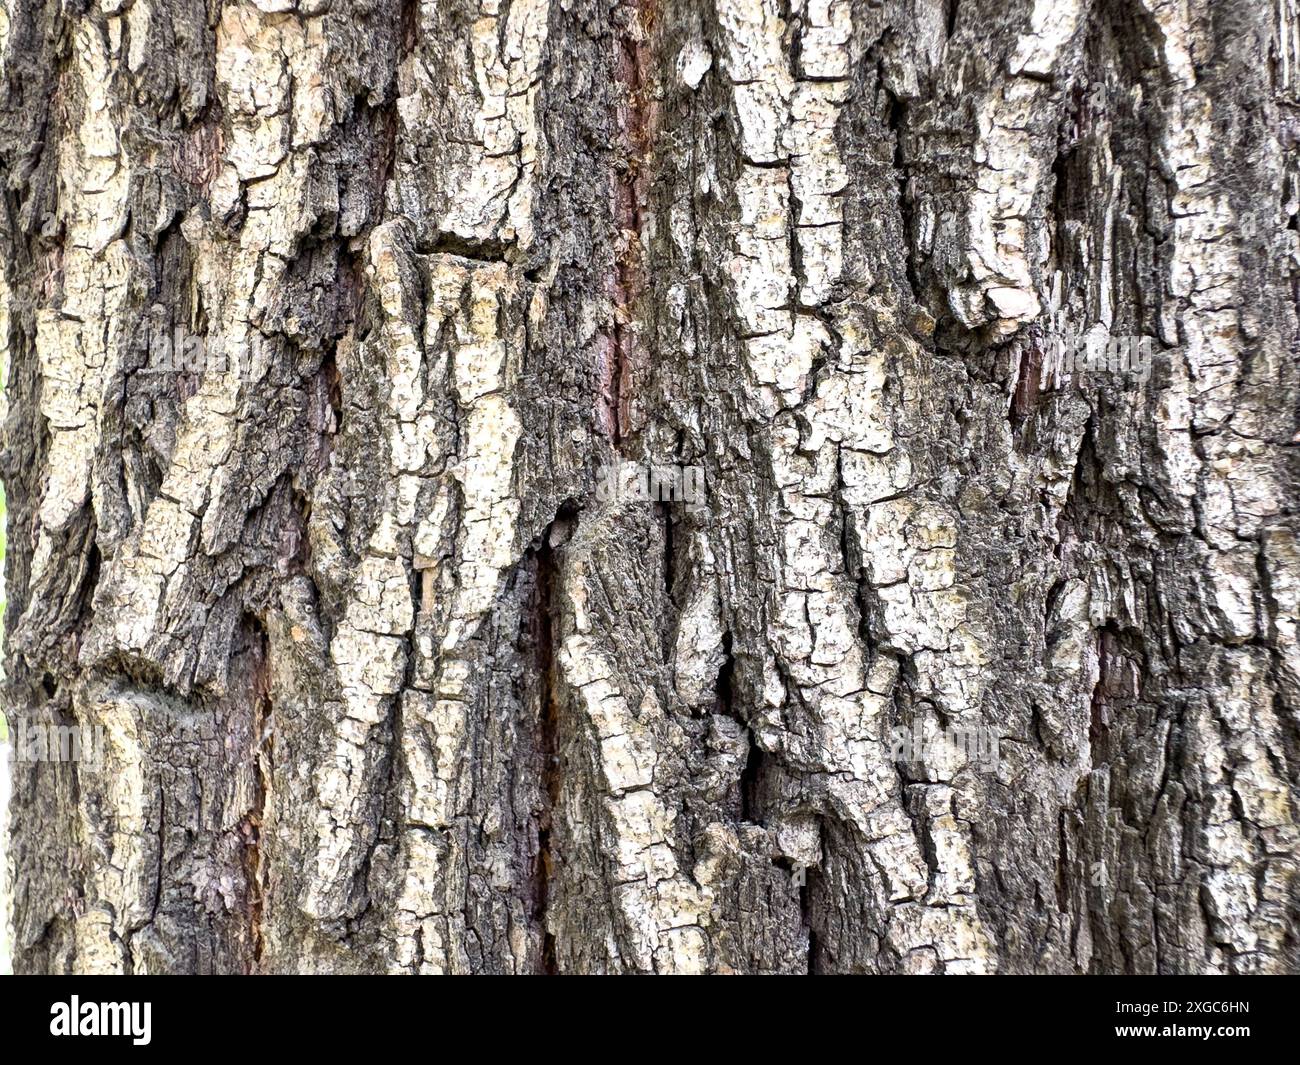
column 326, row 323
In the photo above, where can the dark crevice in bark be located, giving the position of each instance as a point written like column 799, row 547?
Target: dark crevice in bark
column 1062, row 866
column 896, row 121
column 864, row 592
column 630, row 178
column 670, row 561
column 386, row 810
column 1081, row 502
column 476, row 250
column 751, row 783
column 544, row 616
column 255, row 657
column 1270, row 609
column 1099, row 713
column 1028, row 383
column 196, row 155
column 27, row 442
column 409, row 23
column 914, row 796
column 159, row 871
column 723, row 688
column 326, row 410
column 806, row 914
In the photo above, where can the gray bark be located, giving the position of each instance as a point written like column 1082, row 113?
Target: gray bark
column 389, row 683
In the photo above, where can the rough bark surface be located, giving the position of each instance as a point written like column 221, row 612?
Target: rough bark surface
column 387, row 685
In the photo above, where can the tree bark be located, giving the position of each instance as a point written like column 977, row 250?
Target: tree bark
column 389, row 680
